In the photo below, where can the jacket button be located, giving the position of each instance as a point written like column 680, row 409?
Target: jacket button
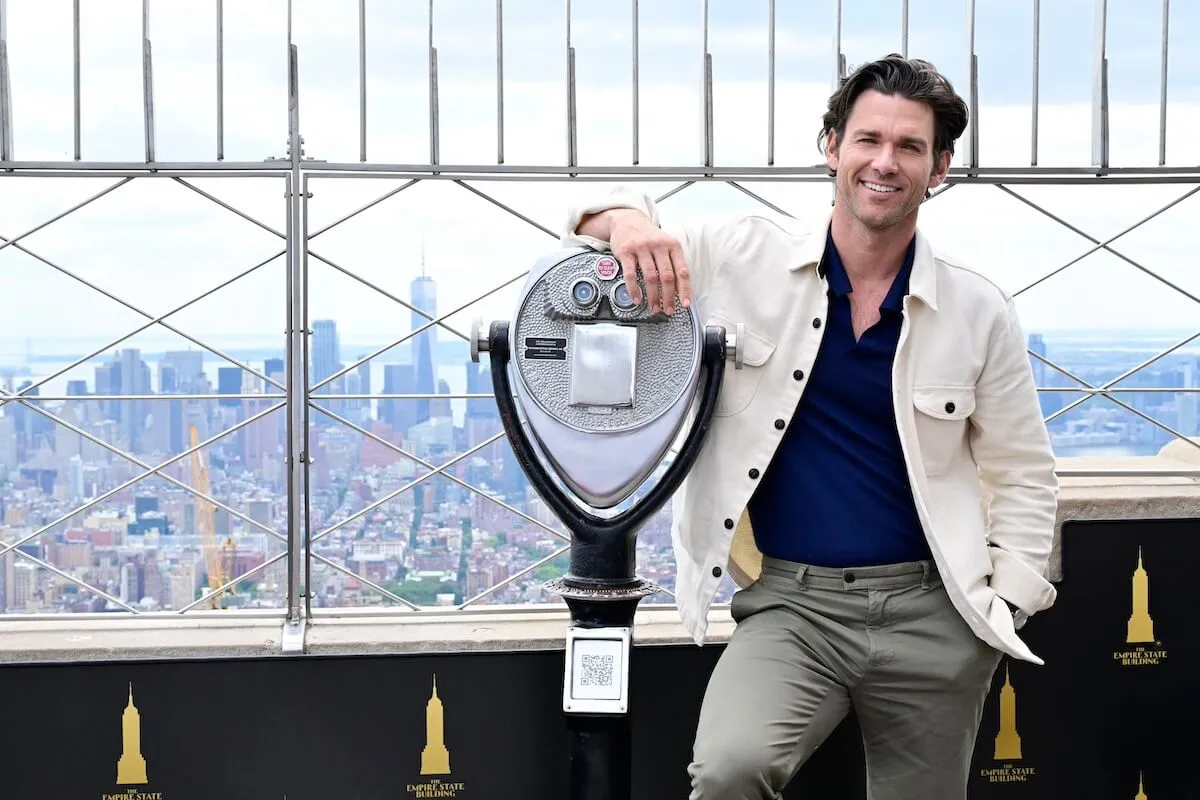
column 729, row 524
column 949, row 408
column 817, row 322
column 779, row 424
column 716, row 572
column 753, row 473
column 798, row 374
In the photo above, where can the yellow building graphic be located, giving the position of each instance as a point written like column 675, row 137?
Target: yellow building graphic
column 1141, row 795
column 131, row 767
column 435, row 758
column 1141, row 626
column 1008, row 741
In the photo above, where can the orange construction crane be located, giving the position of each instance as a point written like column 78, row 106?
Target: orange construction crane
column 205, row 525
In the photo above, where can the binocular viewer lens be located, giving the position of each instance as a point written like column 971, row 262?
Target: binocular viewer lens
column 585, row 294
column 622, row 299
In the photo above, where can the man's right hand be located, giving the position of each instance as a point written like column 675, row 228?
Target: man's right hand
column 641, row 246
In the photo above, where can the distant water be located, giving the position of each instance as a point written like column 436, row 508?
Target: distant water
column 450, row 369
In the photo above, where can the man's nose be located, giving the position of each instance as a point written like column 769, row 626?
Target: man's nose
column 885, row 159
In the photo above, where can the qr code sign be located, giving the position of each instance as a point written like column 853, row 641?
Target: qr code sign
column 597, row 670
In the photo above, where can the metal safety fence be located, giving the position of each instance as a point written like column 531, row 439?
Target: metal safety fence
column 304, row 400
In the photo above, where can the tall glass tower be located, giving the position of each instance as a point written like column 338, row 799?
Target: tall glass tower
column 424, row 297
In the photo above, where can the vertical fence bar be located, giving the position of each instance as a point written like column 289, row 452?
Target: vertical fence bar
column 636, row 124
column 1100, row 87
column 904, row 28
column 839, row 60
column 362, row 80
column 972, row 154
column 1037, row 81
column 572, row 138
column 297, row 375
column 301, row 207
column 434, row 144
column 771, row 84
column 220, row 80
column 499, row 81
column 78, row 114
column 147, row 83
column 707, row 78
column 1162, row 84
column 6, row 132
column 839, row 70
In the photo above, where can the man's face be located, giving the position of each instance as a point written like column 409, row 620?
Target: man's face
column 885, row 162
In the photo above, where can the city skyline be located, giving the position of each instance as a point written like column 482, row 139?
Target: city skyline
column 435, row 543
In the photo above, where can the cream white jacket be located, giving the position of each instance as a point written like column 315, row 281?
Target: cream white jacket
column 978, row 454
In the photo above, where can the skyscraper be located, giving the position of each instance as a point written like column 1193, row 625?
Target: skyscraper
column 400, row 415
column 424, row 297
column 325, row 360
column 326, row 355
column 1043, row 376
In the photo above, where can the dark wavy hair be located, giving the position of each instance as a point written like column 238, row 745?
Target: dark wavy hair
column 910, row 78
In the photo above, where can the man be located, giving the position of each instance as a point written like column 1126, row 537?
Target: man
column 882, row 447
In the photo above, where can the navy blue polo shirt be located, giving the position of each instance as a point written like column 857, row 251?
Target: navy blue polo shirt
column 837, row 494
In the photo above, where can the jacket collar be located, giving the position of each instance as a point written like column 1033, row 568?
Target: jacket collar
column 922, row 283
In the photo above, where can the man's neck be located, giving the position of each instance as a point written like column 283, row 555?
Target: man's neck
column 867, row 254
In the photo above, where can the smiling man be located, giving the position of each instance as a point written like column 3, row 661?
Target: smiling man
column 878, row 477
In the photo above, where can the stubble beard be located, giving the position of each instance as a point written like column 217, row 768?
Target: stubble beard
column 874, row 222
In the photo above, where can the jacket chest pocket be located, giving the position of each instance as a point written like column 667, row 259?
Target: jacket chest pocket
column 739, row 386
column 941, row 419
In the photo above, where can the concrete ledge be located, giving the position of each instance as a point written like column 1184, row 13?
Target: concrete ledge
column 1123, row 496
column 88, row 637
column 215, row 635
column 510, row 629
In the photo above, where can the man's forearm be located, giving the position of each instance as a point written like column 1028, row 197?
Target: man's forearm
column 599, row 225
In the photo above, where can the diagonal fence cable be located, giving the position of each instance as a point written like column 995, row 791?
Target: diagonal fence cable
column 1108, row 396
column 1106, row 388
column 1102, row 245
column 151, row 323
column 406, row 487
column 429, row 465
column 149, row 470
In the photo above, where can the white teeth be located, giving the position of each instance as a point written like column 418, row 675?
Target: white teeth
column 878, row 187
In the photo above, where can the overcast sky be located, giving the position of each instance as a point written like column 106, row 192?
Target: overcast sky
column 156, row 243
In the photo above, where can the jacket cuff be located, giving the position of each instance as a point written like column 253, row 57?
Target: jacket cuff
column 617, row 198
column 1018, row 584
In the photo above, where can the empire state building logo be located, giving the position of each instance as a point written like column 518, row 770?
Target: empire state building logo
column 131, row 768
column 435, row 758
column 1147, row 651
column 1009, row 765
column 1140, row 628
column 1008, row 741
column 435, row 780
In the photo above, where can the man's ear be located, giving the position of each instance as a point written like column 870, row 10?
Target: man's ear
column 941, row 168
column 831, row 150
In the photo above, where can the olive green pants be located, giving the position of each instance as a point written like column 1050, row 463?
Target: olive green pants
column 812, row 643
